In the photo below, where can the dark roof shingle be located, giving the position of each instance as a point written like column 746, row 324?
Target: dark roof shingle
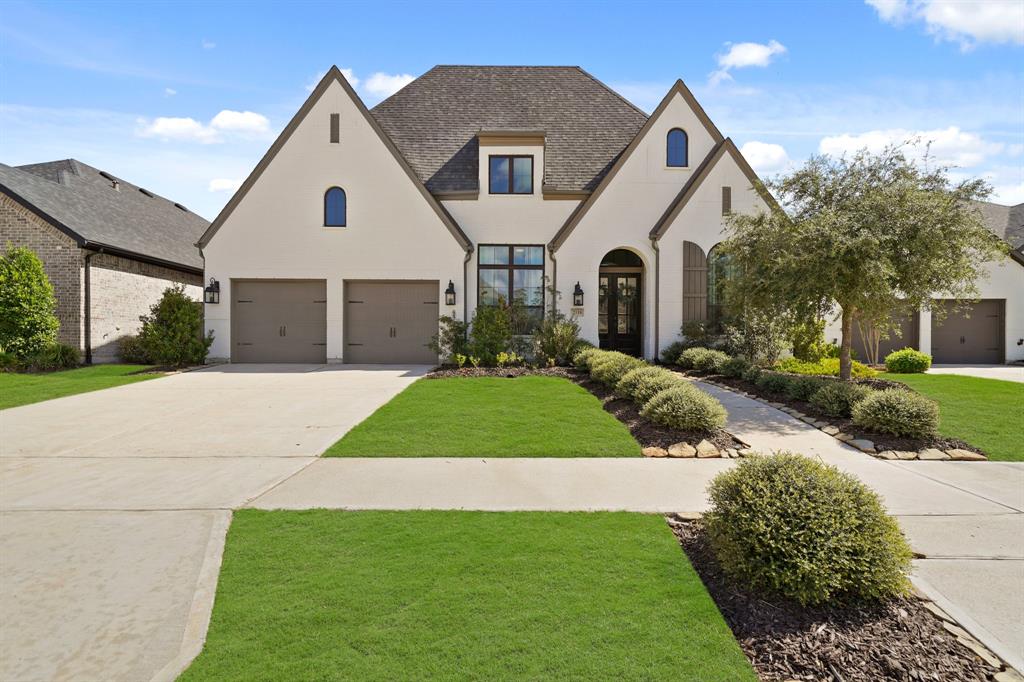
column 85, row 201
column 434, row 121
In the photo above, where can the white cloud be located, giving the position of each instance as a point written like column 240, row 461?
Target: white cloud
column 948, row 146
column 765, row 157
column 1009, row 195
column 224, row 185
column 170, row 92
column 966, row 23
column 350, row 76
column 742, row 55
column 240, row 124
column 208, row 44
column 384, row 85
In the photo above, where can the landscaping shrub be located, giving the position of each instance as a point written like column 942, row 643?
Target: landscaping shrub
column 752, row 374
column 28, row 320
column 791, row 526
column 451, row 340
column 670, row 353
column 490, row 333
column 172, row 333
column 556, row 339
column 702, row 359
column 612, row 366
column 130, row 350
column 837, row 398
column 734, row 368
column 696, row 334
column 583, row 358
column 808, row 339
column 802, row 388
column 823, row 367
column 8, row 361
column 53, row 357
column 907, row 361
column 643, row 383
column 899, row 412
column 773, row 382
column 685, row 407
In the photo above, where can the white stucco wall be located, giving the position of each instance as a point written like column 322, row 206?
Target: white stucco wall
column 277, row 230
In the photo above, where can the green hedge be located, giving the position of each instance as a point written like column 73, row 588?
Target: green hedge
column 899, row 412
column 907, row 361
column 824, row 367
column 685, row 407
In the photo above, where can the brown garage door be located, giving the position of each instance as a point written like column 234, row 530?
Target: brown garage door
column 976, row 339
column 278, row 321
column 390, row 322
column 907, row 325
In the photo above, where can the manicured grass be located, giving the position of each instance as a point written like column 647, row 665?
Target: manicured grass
column 22, row 389
column 987, row 413
column 531, row 416
column 335, row 595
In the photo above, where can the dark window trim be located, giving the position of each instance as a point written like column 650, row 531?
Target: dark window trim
column 344, row 217
column 510, row 267
column 511, row 175
column 335, row 128
column 686, row 148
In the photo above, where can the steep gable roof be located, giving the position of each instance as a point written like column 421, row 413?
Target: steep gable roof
column 678, row 89
column 334, row 74
column 434, row 120
column 83, row 202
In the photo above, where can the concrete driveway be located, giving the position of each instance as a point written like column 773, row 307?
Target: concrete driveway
column 1004, row 372
column 114, row 506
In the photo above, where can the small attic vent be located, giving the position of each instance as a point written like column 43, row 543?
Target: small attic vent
column 177, row 205
column 147, row 193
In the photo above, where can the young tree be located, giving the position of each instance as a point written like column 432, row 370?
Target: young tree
column 868, row 234
column 28, row 321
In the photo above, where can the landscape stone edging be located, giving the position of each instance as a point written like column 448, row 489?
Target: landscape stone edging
column 862, row 444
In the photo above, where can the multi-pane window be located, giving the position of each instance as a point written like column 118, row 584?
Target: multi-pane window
column 720, row 269
column 334, row 207
column 676, row 152
column 511, row 175
column 508, row 273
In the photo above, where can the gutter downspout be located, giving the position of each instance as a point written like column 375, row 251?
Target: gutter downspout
column 88, row 306
column 554, row 279
column 657, row 290
column 465, row 286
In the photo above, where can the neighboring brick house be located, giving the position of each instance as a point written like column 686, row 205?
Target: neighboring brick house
column 110, row 248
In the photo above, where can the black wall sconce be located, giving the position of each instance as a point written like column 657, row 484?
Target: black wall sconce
column 449, row 293
column 577, row 296
column 211, row 294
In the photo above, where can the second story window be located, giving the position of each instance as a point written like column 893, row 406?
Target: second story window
column 675, row 156
column 511, row 175
column 334, row 207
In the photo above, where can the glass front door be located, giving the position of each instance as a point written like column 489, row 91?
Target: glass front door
column 618, row 312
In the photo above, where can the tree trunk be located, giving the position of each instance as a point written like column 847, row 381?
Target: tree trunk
column 845, row 359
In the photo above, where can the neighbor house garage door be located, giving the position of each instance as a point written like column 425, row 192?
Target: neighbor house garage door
column 976, row 339
column 390, row 322
column 278, row 321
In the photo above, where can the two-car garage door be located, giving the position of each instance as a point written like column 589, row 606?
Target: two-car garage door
column 286, row 321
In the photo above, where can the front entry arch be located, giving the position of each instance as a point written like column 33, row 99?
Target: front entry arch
column 620, row 302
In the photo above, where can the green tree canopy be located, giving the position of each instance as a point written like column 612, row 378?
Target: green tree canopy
column 867, row 233
column 28, row 322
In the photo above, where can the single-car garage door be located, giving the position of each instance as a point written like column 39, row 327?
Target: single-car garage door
column 279, row 321
column 977, row 339
column 390, row 322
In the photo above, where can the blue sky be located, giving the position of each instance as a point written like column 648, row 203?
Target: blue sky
column 184, row 98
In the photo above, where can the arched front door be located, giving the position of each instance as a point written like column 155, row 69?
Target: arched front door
column 619, row 301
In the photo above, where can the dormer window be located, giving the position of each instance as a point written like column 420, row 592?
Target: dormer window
column 511, row 175
column 676, row 153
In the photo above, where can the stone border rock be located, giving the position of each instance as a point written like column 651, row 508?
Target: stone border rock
column 864, row 445
column 702, row 450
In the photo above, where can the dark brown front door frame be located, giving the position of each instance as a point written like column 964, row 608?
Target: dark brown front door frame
column 631, row 344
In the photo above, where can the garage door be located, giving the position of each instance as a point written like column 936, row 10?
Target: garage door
column 390, row 322
column 278, row 321
column 977, row 339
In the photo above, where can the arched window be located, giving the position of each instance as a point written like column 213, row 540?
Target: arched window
column 334, row 207
column 719, row 271
column 675, row 156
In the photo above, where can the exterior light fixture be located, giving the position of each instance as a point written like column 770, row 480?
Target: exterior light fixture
column 449, row 293
column 211, row 294
column 577, row 296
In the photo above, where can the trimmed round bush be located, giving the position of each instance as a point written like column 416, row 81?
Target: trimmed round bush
column 837, row 398
column 899, row 412
column 643, row 383
column 734, row 368
column 583, row 358
column 773, row 382
column 791, row 526
column 685, row 407
column 802, row 388
column 612, row 366
column 712, row 361
column 752, row 374
column 670, row 353
column 907, row 361
column 691, row 357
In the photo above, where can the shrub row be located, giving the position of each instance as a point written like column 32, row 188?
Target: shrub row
column 823, row 367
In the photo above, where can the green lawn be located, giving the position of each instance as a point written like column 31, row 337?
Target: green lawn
column 987, row 413
column 22, row 389
column 531, row 416
column 335, row 595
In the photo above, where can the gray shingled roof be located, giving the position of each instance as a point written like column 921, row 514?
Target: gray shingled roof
column 434, row 121
column 86, row 203
column 1007, row 222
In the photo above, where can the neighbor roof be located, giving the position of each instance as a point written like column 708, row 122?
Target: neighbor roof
column 435, row 119
column 81, row 201
column 1007, row 222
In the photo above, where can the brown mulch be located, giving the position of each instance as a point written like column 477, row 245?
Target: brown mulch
column 882, row 441
column 506, row 372
column 898, row 640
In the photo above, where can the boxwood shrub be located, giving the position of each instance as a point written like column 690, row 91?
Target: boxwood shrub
column 582, row 359
column 685, row 407
column 702, row 359
column 824, row 367
column 643, row 383
column 612, row 366
column 773, row 382
column 791, row 526
column 802, row 388
column 752, row 374
column 907, row 361
column 734, row 368
column 837, row 398
column 670, row 353
column 899, row 412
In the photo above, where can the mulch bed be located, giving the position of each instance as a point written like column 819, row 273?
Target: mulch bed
column 506, row 372
column 882, row 441
column 898, row 640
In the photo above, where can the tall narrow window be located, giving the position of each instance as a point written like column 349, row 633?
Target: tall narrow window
column 511, row 175
column 676, row 153
column 726, row 200
column 334, row 207
column 719, row 272
column 335, row 127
